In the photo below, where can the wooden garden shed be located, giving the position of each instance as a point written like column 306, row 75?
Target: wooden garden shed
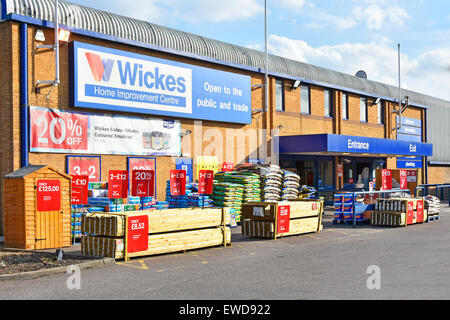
column 37, row 208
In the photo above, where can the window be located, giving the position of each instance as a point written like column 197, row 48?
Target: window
column 328, row 103
column 279, row 95
column 304, row 99
column 380, row 108
column 344, row 106
column 363, row 109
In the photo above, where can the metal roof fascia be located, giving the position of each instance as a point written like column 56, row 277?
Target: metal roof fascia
column 48, row 24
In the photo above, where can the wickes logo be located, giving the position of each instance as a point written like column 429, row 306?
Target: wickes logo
column 101, row 69
column 134, row 74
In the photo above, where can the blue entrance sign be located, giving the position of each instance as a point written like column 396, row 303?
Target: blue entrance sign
column 104, row 78
column 352, row 144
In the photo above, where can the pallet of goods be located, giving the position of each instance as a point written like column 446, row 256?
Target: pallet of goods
column 123, row 235
column 399, row 212
column 279, row 219
column 433, row 207
column 344, row 207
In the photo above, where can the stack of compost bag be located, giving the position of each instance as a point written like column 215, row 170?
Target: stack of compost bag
column 230, row 195
column 291, row 184
column 271, row 182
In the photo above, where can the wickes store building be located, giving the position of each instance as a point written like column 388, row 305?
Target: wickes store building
column 120, row 93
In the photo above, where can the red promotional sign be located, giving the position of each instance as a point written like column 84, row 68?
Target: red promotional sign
column 140, row 163
column 137, row 234
column 411, row 176
column 85, row 166
column 53, row 130
column 117, row 184
column 283, row 217
column 340, row 170
column 79, row 190
column 227, row 166
column 205, row 181
column 177, row 182
column 48, row 195
column 419, row 211
column 143, row 183
column 403, row 181
column 410, row 213
column 386, row 179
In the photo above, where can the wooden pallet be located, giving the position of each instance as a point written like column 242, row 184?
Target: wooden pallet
column 358, row 222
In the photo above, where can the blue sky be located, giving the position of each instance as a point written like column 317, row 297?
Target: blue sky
column 343, row 35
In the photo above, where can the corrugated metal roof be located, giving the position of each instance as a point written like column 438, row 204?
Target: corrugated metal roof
column 114, row 25
column 110, row 24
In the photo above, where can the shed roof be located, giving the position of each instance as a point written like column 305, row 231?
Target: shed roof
column 142, row 32
column 29, row 169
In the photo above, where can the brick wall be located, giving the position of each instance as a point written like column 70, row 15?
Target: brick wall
column 213, row 138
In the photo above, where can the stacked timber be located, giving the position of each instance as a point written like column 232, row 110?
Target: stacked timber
column 265, row 219
column 171, row 230
column 398, row 212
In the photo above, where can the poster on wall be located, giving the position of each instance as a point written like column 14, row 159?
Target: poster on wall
column 186, row 165
column 85, row 166
column 111, row 79
column 142, row 163
column 206, row 163
column 57, row 131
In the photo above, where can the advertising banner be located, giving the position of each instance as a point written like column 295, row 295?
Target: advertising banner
column 143, row 183
column 386, row 179
column 111, row 79
column 48, row 195
column 137, row 234
column 177, row 182
column 403, row 179
column 207, row 163
column 205, row 182
column 57, row 131
column 79, row 190
column 117, row 184
column 283, row 217
column 142, row 163
column 227, row 166
column 85, row 166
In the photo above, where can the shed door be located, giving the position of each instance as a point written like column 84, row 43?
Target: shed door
column 49, row 213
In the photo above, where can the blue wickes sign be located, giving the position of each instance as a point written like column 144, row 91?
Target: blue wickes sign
column 109, row 79
column 352, row 144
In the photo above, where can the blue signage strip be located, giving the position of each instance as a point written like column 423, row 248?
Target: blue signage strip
column 352, row 144
column 408, row 137
column 108, row 79
column 410, row 122
column 410, row 130
column 408, row 164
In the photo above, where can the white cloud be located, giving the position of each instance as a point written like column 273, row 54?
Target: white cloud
column 290, row 4
column 338, row 22
column 428, row 73
column 378, row 18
